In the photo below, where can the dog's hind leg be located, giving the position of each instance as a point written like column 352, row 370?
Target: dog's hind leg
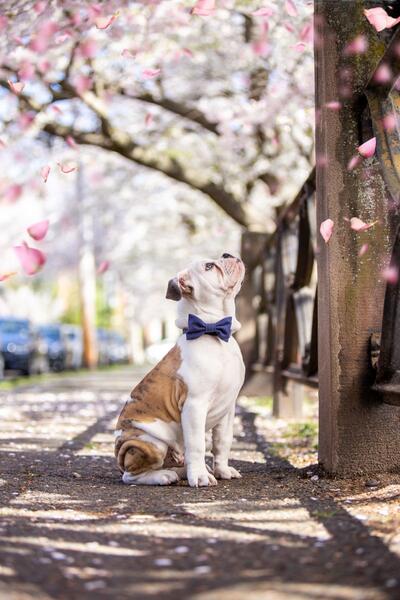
column 160, row 477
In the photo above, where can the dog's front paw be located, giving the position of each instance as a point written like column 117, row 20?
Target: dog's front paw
column 198, row 476
column 225, row 472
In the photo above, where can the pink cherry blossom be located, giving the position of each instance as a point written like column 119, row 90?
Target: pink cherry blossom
column 126, row 53
column 204, row 8
column 326, row 229
column 39, row 7
column 45, row 171
column 38, row 231
column 26, row 70
column 31, row 259
column 87, row 49
column 307, row 33
column 148, row 119
column 83, row 83
column 367, row 149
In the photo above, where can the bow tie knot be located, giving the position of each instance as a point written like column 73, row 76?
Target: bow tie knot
column 197, row 327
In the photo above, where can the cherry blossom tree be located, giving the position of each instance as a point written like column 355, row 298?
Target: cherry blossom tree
column 219, row 100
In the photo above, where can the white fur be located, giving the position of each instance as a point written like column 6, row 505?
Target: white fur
column 213, row 371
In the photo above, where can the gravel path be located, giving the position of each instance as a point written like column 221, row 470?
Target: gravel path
column 69, row 528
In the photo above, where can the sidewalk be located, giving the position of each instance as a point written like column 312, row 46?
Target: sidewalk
column 70, row 529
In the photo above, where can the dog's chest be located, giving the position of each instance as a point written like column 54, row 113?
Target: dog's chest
column 213, row 370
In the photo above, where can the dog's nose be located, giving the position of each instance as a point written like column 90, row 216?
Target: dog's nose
column 226, row 255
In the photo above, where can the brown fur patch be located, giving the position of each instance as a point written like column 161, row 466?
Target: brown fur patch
column 160, row 395
column 138, row 456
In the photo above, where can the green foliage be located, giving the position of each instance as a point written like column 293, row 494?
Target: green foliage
column 103, row 309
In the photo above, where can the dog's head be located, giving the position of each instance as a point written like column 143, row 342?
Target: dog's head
column 208, row 280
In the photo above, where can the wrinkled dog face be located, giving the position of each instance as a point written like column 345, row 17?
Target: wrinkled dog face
column 208, row 278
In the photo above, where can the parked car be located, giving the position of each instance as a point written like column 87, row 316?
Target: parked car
column 21, row 346
column 118, row 350
column 103, row 346
column 56, row 343
column 74, row 342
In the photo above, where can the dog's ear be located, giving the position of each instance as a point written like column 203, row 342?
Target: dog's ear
column 173, row 290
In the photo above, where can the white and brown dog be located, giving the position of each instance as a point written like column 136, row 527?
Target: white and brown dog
column 161, row 430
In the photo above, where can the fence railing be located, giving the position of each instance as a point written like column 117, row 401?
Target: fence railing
column 284, row 288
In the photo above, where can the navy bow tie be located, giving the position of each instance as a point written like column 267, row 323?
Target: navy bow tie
column 197, row 327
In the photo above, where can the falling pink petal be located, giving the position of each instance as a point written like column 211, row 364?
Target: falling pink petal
column 150, row 73
column 307, row 33
column 25, row 120
column 13, row 192
column 367, row 149
column 2, row 143
column 103, row 267
column 4, row 276
column 71, row 142
column 38, row 231
column 148, row 119
column 44, row 65
column 290, row 8
column 391, row 274
column 261, row 47
column 26, row 71
column 379, row 18
column 389, row 122
column 326, row 229
column 354, row 162
column 31, row 259
column 87, row 49
column 299, row 47
column 264, row 11
column 83, row 84
column 45, row 171
column 63, row 37
column 16, row 86
column 56, row 109
column 358, row 225
column 333, row 105
column 383, row 74
column 357, row 46
column 66, row 168
column 104, row 22
column 3, row 22
column 288, row 26
column 127, row 53
column 204, row 8
column 363, row 250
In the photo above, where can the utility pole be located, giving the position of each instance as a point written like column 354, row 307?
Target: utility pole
column 86, row 271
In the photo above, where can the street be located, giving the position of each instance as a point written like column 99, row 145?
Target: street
column 70, row 529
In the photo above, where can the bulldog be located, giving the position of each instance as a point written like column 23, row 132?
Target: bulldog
column 160, row 433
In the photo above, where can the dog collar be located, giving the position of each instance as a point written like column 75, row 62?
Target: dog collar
column 197, row 327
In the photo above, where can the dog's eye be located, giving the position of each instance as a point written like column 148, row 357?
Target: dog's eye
column 209, row 266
